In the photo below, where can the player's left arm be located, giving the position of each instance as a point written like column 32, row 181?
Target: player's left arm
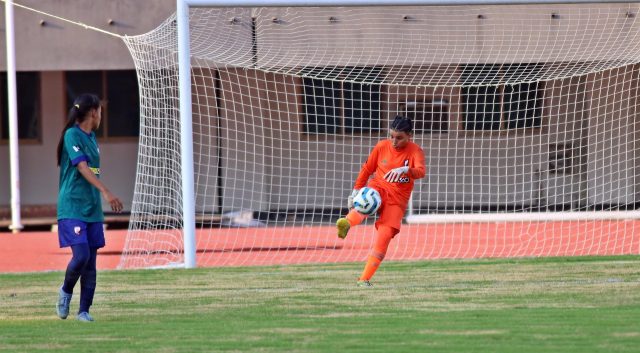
column 85, row 171
column 418, row 167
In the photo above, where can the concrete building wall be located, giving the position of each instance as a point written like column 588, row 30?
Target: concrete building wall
column 455, row 34
column 53, row 48
column 38, row 169
column 588, row 122
column 274, row 160
column 57, row 45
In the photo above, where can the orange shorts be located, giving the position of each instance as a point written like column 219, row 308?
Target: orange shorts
column 389, row 215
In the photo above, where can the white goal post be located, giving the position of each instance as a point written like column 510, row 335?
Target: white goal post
column 256, row 117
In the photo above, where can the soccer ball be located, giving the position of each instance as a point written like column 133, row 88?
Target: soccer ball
column 367, row 201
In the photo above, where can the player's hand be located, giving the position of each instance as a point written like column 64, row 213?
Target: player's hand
column 114, row 202
column 394, row 174
column 351, row 197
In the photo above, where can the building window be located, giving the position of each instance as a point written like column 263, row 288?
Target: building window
column 430, row 116
column 481, row 108
column 522, row 105
column 498, row 104
column 322, row 106
column 119, row 89
column 342, row 100
column 29, row 112
column 561, row 159
column 361, row 107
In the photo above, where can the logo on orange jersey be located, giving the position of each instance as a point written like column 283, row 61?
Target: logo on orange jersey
column 404, row 179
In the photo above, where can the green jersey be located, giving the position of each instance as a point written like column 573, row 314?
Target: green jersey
column 77, row 199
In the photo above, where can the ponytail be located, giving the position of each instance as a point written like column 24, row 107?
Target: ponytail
column 81, row 107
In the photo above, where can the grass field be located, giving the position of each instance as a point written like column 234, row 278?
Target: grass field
column 585, row 304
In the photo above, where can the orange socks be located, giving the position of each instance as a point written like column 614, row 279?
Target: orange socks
column 383, row 238
column 354, row 217
column 370, row 268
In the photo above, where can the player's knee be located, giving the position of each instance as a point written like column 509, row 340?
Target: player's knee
column 81, row 256
column 387, row 231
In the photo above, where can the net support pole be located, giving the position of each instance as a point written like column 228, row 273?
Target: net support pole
column 16, row 224
column 186, row 140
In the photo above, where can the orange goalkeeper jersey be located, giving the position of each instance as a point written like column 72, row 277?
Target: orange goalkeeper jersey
column 384, row 158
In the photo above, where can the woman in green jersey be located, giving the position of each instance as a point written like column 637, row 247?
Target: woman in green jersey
column 80, row 217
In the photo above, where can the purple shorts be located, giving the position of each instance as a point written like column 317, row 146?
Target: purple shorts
column 74, row 232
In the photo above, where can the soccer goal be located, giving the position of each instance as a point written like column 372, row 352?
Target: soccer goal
column 257, row 115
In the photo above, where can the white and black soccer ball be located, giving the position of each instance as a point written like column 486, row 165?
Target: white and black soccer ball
column 367, row 201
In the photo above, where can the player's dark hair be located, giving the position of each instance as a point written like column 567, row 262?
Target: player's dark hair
column 82, row 105
column 402, row 124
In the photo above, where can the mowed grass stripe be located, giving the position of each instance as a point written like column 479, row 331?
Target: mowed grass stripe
column 584, row 304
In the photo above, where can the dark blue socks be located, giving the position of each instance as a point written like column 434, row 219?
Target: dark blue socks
column 82, row 266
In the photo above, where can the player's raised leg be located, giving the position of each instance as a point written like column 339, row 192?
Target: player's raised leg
column 352, row 219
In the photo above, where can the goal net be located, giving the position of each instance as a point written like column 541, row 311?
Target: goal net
column 527, row 114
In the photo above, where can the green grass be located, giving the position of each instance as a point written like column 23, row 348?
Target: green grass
column 525, row 305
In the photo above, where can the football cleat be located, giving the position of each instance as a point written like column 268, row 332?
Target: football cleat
column 62, row 306
column 343, row 227
column 84, row 316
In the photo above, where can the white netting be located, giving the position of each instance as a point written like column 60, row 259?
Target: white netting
column 527, row 115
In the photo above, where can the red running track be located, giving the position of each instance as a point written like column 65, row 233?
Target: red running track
column 39, row 251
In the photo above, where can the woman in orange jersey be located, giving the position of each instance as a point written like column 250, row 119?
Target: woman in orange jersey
column 395, row 165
